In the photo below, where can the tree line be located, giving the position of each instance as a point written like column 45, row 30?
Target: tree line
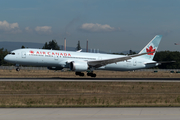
column 3, row 53
column 168, row 56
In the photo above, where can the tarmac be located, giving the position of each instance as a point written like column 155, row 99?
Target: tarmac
column 95, row 79
column 164, row 113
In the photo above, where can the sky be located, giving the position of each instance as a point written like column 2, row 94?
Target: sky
column 109, row 25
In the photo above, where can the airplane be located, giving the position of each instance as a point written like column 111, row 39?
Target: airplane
column 81, row 62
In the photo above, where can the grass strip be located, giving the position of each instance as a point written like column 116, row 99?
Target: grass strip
column 88, row 94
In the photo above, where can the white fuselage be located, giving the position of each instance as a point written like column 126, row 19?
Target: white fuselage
column 58, row 58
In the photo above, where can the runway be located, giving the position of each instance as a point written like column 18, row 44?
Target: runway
column 95, row 79
column 89, row 113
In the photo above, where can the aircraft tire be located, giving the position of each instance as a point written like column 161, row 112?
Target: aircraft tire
column 93, row 75
column 89, row 74
column 82, row 74
column 77, row 73
column 17, row 69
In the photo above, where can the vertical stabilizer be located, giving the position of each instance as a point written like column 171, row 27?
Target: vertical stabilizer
column 152, row 46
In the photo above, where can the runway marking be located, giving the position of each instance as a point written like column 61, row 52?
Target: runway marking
column 101, row 114
column 96, row 94
column 92, row 80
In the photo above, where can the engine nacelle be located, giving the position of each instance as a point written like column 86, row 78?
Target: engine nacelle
column 55, row 68
column 78, row 66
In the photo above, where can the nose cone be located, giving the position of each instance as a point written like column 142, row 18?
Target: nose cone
column 6, row 58
column 9, row 59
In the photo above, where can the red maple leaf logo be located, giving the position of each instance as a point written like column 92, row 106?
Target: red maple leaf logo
column 31, row 52
column 150, row 50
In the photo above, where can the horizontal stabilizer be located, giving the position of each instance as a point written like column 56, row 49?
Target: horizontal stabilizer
column 159, row 62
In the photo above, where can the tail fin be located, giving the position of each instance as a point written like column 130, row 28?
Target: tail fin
column 151, row 47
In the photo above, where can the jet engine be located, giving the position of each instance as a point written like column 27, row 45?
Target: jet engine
column 78, row 66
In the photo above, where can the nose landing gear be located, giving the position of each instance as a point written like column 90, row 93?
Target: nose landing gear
column 17, row 69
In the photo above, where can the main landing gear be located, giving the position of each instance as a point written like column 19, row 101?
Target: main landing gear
column 91, row 74
column 79, row 73
column 88, row 74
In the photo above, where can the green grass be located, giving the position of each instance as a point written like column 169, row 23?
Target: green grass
column 88, row 94
column 69, row 74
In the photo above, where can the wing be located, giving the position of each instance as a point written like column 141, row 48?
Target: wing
column 99, row 63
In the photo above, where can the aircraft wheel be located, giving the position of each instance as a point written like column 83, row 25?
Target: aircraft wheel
column 79, row 73
column 82, row 74
column 17, row 69
column 93, row 75
column 89, row 74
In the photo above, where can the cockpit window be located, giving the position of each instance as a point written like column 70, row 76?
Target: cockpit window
column 12, row 53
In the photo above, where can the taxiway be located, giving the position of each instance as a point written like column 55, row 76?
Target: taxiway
column 90, row 113
column 95, row 79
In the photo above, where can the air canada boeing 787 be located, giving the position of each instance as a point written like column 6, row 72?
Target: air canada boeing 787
column 83, row 61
